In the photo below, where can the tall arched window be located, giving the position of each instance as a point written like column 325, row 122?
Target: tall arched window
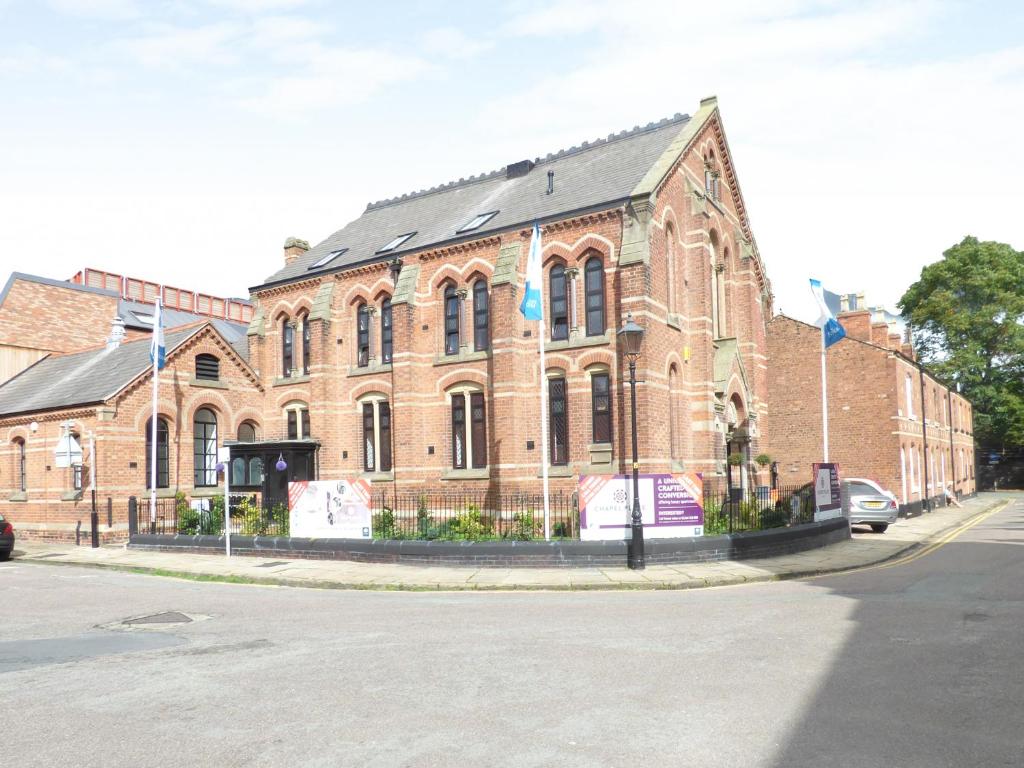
column 481, row 316
column 386, row 331
column 559, row 301
column 558, row 421
column 204, row 448
column 21, row 469
column 376, row 414
column 307, row 341
column 162, row 461
column 673, row 414
column 903, row 474
column 287, row 347
column 593, row 277
column 670, row 267
column 452, row 335
column 469, row 428
column 600, row 407
column 363, row 336
column 716, row 297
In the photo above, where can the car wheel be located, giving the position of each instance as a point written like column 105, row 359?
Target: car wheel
column 5, row 556
column 879, row 527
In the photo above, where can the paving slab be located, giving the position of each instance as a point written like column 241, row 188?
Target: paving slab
column 863, row 549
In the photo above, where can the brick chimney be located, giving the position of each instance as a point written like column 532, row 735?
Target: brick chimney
column 293, row 248
column 908, row 350
column 857, row 323
column 894, row 341
column 880, row 334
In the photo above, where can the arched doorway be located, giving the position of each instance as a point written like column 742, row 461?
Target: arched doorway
column 737, row 447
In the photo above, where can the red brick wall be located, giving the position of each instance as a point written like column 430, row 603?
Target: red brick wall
column 55, row 319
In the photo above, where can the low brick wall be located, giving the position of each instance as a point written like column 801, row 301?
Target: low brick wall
column 513, row 554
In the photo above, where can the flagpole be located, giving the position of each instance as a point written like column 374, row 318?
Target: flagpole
column 533, row 309
column 824, row 398
column 153, row 431
column 544, row 429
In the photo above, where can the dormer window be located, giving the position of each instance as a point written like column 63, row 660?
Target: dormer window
column 325, row 260
column 398, row 241
column 477, row 222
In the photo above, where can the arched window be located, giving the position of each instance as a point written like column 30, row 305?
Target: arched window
column 469, row 428
column 674, row 450
column 246, row 472
column 162, row 461
column 363, row 336
column 481, row 330
column 307, row 341
column 386, row 338
column 376, row 414
column 601, row 407
column 903, row 474
column 717, row 294
column 298, row 421
column 247, row 432
column 670, row 267
column 287, row 347
column 21, row 470
column 452, row 335
column 207, row 368
column 593, row 277
column 559, row 303
column 204, row 448
column 558, row 421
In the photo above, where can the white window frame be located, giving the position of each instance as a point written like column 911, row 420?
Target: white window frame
column 908, row 390
column 375, row 399
column 465, row 391
column 298, row 406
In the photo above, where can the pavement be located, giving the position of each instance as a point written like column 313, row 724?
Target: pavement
column 864, row 549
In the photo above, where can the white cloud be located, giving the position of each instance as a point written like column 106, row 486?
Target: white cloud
column 98, row 9
column 258, row 6
column 174, row 48
column 453, row 43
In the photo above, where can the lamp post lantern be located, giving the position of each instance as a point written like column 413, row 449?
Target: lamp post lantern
column 631, row 336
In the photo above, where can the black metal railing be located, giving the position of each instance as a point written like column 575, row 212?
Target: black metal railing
column 754, row 508
column 206, row 516
column 474, row 516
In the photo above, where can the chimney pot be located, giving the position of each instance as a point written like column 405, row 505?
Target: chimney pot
column 116, row 333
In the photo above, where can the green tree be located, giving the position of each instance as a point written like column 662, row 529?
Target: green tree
column 967, row 312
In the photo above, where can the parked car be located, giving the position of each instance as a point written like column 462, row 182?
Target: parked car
column 6, row 538
column 866, row 502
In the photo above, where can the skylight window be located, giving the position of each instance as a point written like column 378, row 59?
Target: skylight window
column 325, row 260
column 396, row 242
column 477, row 222
column 144, row 319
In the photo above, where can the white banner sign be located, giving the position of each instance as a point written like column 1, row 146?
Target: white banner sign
column 330, row 509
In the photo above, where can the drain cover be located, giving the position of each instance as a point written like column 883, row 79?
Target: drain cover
column 170, row 617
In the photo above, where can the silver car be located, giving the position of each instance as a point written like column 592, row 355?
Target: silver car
column 866, row 503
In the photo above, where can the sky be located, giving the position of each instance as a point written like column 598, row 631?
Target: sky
column 183, row 141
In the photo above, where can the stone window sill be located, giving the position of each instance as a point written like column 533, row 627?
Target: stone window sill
column 562, row 470
column 467, row 474
column 161, row 493
column 208, row 383
column 284, row 381
column 675, row 321
column 378, row 477
column 71, row 496
column 206, row 493
column 578, row 342
column 462, row 357
column 368, row 370
column 18, row 496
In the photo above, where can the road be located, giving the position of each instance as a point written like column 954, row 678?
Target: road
column 917, row 664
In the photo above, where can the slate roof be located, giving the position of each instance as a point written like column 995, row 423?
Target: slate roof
column 586, row 178
column 233, row 332
column 81, row 378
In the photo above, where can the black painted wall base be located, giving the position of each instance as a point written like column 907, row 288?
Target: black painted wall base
column 514, row 554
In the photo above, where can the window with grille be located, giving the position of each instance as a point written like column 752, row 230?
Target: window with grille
column 363, row 335
column 287, row 348
column 459, row 431
column 162, row 463
column 369, row 439
column 559, row 303
column 558, row 422
column 601, row 408
column 207, row 368
column 376, row 414
column 481, row 331
column 594, row 292
column 204, row 448
column 386, row 345
column 479, row 429
column 451, row 321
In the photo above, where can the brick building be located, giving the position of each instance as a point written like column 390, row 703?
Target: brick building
column 93, row 381
column 401, row 338
column 394, row 350
column 889, row 419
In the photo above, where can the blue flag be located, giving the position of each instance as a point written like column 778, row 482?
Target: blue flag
column 831, row 330
column 531, row 306
column 157, row 348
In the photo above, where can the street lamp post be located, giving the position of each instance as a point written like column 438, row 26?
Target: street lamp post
column 631, row 336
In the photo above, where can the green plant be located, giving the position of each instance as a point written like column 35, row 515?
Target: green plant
column 469, row 524
column 254, row 520
column 716, row 519
column 188, row 521
column 384, row 525
column 523, row 526
column 281, row 518
column 423, row 516
column 211, row 523
column 736, row 459
column 763, row 459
